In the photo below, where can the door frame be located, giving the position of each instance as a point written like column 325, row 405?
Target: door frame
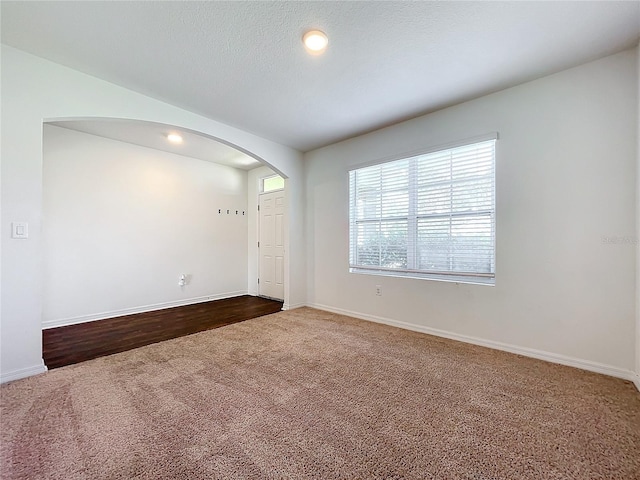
column 256, row 177
column 284, row 250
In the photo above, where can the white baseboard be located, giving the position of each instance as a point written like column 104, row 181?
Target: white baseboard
column 525, row 351
column 62, row 322
column 286, row 306
column 23, row 373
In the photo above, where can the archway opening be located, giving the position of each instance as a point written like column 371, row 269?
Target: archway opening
column 133, row 223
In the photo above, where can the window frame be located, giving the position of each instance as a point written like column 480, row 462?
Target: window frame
column 262, row 189
column 446, row 276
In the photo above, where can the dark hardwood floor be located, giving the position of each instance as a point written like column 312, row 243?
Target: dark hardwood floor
column 84, row 341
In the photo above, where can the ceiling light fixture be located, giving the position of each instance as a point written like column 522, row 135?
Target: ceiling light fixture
column 315, row 42
column 174, row 138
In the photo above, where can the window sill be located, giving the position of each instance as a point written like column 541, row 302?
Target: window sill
column 472, row 280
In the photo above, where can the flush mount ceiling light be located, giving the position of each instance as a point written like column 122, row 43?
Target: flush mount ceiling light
column 315, row 42
column 174, row 138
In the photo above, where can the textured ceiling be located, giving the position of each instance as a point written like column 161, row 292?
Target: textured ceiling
column 242, row 63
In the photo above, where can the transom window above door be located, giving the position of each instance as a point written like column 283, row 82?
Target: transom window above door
column 271, row 184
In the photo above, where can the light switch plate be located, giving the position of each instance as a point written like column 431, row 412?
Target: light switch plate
column 19, row 230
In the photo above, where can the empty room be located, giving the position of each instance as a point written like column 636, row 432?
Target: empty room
column 320, row 240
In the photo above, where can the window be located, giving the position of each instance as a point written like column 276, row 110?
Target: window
column 430, row 216
column 273, row 183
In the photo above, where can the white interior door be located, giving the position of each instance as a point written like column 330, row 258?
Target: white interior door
column 271, row 245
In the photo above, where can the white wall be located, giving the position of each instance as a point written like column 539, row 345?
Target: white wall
column 566, row 162
column 34, row 90
column 253, row 189
column 295, row 242
column 122, row 222
column 638, row 230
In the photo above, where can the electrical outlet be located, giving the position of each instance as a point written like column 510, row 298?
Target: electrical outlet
column 19, row 230
column 379, row 290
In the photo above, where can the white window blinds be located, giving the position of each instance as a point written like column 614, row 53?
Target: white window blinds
column 428, row 215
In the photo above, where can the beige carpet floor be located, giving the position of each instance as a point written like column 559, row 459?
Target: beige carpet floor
column 308, row 394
